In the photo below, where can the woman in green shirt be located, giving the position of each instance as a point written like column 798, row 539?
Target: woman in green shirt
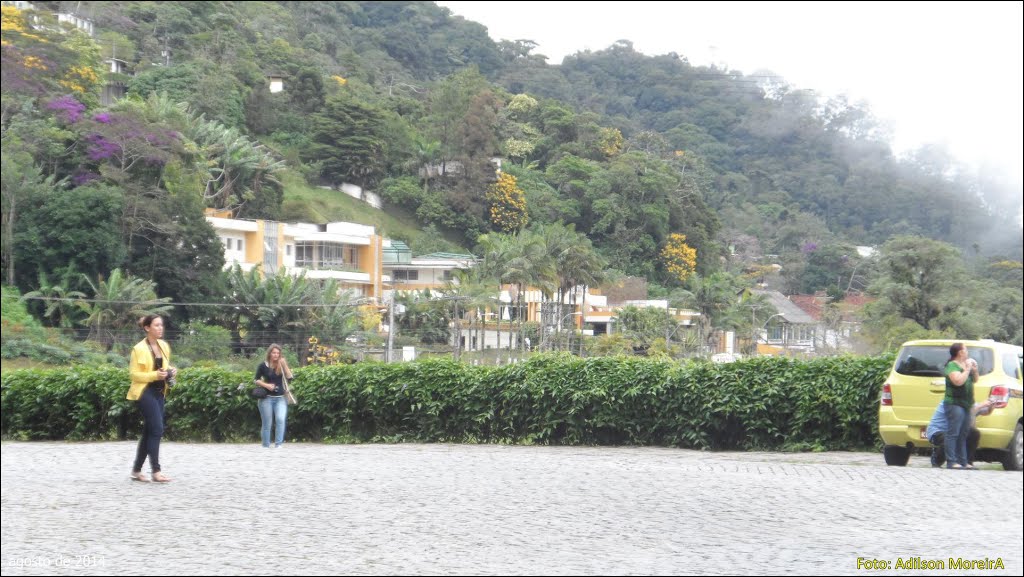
column 961, row 374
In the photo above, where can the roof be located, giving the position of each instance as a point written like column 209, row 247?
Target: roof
column 810, row 304
column 397, row 253
column 447, row 255
column 789, row 311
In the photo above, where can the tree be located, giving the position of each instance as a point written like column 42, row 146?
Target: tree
column 60, row 300
column 680, row 258
column 41, row 58
column 713, row 297
column 20, row 181
column 117, row 303
column 184, row 256
column 425, row 154
column 497, row 252
column 348, row 140
column 508, row 204
column 645, row 325
column 66, row 231
column 243, row 174
column 919, row 278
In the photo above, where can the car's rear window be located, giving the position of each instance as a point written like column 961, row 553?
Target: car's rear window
column 929, row 361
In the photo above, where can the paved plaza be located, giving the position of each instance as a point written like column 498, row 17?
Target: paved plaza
column 70, row 509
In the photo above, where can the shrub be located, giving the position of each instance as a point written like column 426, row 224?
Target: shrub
column 761, row 403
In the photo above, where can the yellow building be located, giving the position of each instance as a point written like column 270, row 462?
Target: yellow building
column 346, row 252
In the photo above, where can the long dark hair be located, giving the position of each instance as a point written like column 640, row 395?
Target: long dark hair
column 954, row 351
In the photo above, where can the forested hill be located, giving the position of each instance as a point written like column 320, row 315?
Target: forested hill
column 628, row 148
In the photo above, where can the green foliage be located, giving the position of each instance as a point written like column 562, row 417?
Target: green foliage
column 919, row 277
column 117, row 302
column 643, row 325
column 348, row 139
column 199, row 341
column 70, row 231
column 764, row 403
column 13, row 311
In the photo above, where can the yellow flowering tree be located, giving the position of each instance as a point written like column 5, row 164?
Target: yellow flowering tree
column 508, row 204
column 610, row 141
column 680, row 258
column 38, row 58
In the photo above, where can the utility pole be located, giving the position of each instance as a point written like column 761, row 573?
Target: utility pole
column 458, row 329
column 391, row 327
column 753, row 327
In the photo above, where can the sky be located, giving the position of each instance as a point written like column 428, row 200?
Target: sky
column 935, row 72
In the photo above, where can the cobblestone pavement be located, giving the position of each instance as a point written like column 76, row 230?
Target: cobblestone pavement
column 486, row 509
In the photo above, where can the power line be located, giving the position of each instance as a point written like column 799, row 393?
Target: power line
column 169, row 303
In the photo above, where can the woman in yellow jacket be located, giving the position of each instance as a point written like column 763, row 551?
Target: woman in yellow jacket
column 150, row 367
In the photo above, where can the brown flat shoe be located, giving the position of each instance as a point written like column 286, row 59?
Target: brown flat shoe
column 138, row 476
column 159, row 477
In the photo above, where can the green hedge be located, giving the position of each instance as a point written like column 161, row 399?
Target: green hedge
column 763, row 403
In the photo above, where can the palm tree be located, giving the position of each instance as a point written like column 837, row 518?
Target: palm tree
column 61, row 301
column 712, row 296
column 575, row 262
column 497, row 251
column 476, row 291
column 426, row 152
column 238, row 168
column 531, row 266
column 117, row 304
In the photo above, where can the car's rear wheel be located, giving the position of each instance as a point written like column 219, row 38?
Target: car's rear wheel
column 896, row 456
column 1015, row 451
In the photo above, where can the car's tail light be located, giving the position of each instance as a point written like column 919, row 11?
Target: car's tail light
column 886, row 395
column 999, row 395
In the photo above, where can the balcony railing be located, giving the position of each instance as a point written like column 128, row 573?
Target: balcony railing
column 329, row 265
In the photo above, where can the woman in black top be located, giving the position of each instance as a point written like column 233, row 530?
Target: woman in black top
column 274, row 408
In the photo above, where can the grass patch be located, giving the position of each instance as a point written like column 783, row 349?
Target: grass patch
column 306, row 203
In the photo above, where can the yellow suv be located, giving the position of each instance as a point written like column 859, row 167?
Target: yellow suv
column 916, row 386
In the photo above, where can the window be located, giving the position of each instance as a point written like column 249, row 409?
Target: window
column 288, row 250
column 930, row 360
column 270, row 247
column 228, row 242
column 446, row 275
column 304, row 254
column 405, row 275
column 238, row 245
column 1011, row 365
column 331, row 255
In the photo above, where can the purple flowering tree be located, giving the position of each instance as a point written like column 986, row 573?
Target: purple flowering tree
column 124, row 142
column 67, row 108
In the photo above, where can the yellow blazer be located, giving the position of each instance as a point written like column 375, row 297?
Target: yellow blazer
column 141, row 368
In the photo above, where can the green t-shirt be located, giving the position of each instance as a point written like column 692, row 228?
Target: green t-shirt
column 963, row 396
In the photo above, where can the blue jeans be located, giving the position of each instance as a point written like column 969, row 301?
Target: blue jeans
column 956, row 435
column 273, row 409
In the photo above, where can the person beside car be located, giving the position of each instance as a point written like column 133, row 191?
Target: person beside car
column 936, row 432
column 961, row 373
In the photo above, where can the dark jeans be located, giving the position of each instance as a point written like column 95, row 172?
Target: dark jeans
column 939, row 451
column 151, row 403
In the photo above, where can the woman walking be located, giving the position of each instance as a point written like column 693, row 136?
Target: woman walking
column 150, row 367
column 271, row 375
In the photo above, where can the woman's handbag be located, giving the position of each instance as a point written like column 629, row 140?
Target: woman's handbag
column 288, row 391
column 259, row 392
